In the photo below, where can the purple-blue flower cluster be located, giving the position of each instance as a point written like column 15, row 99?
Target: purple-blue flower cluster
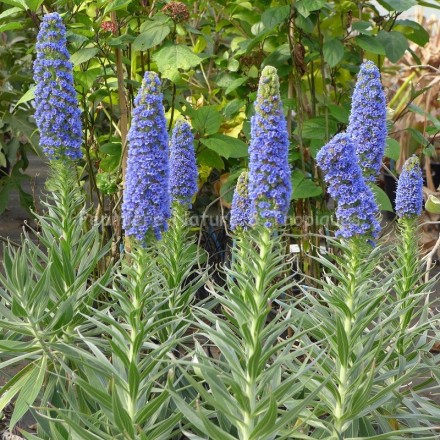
column 183, row 167
column 368, row 120
column 269, row 173
column 146, row 205
column 409, row 194
column 241, row 207
column 57, row 114
column 356, row 210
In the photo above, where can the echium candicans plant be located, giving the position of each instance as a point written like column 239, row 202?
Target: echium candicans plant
column 368, row 120
column 357, row 217
column 248, row 341
column 409, row 203
column 177, row 253
column 57, row 114
column 269, row 173
column 146, row 203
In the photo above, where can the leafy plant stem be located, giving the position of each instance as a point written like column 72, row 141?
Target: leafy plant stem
column 255, row 332
column 407, row 262
column 343, row 363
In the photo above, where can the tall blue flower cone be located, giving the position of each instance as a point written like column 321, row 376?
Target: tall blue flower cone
column 146, row 205
column 368, row 120
column 357, row 211
column 241, row 207
column 57, row 114
column 183, row 166
column 269, row 173
column 409, row 194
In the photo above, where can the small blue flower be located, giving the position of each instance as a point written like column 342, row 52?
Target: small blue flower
column 357, row 211
column 368, row 120
column 240, row 209
column 146, row 205
column 57, row 114
column 409, row 194
column 183, row 167
column 270, row 186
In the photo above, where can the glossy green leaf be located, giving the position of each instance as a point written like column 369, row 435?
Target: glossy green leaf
column 333, row 52
column 394, row 43
column 112, row 148
column 274, row 16
column 418, row 137
column 370, row 44
column 392, row 149
column 339, row 112
column 33, row 5
column 109, row 163
column 209, row 158
column 11, row 26
column 235, row 84
column 362, row 26
column 413, row 31
column 397, row 5
column 304, row 7
column 83, row 55
column 9, row 12
column 116, row 5
column 17, row 3
column 382, row 200
column 429, row 4
column 86, row 78
column 279, row 56
column 173, row 57
column 28, row 96
column 316, row 128
column 304, row 23
column 233, row 65
column 304, row 187
column 206, row 120
column 226, row 146
column 152, row 34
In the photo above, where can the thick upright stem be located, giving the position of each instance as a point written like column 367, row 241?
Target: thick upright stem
column 343, row 366
column 249, row 416
column 135, row 322
column 407, row 262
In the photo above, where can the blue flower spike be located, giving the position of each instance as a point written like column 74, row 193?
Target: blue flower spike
column 357, row 211
column 146, row 205
column 57, row 114
column 270, row 184
column 368, row 120
column 240, row 209
column 183, row 166
column 409, row 194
